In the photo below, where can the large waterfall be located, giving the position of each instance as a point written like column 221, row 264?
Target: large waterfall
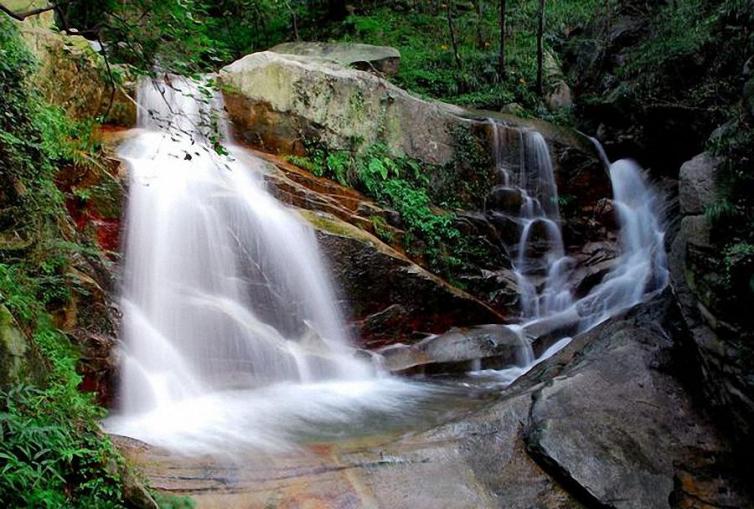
column 224, row 290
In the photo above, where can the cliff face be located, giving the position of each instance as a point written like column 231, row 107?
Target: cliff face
column 669, row 84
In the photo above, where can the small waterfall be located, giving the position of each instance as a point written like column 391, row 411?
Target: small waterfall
column 642, row 269
column 540, row 265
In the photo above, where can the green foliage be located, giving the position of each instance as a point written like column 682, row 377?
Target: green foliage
column 396, row 182
column 427, row 63
column 51, row 451
column 381, row 229
column 173, row 502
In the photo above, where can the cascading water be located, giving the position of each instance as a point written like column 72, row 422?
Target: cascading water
column 640, row 272
column 540, row 264
column 642, row 269
column 224, row 290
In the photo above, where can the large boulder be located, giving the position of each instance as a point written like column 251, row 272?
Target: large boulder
column 375, row 279
column 697, row 183
column 75, row 77
column 724, row 355
column 366, row 57
column 276, row 101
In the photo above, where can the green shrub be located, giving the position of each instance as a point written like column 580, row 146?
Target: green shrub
column 52, row 453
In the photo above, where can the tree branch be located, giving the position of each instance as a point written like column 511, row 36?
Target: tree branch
column 20, row 16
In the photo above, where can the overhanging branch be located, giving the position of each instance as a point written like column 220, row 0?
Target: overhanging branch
column 20, row 16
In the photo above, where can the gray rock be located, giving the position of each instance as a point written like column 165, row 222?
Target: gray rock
column 456, row 349
column 602, row 424
column 748, row 97
column 365, row 57
column 14, row 349
column 616, row 426
column 697, row 183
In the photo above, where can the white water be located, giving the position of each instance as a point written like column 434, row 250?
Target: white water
column 227, row 307
column 231, row 336
column 540, row 264
column 640, row 272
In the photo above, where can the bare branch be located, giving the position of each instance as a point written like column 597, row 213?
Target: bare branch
column 20, row 16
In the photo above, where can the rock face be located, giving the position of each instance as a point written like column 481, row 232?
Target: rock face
column 73, row 76
column 603, row 424
column 17, row 359
column 366, row 57
column 724, row 351
column 697, row 183
column 377, row 280
column 276, row 101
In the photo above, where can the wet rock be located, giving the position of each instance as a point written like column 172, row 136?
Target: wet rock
column 602, row 424
column 373, row 277
column 456, row 350
column 593, row 262
column 505, row 199
column 615, row 425
column 366, row 57
column 697, row 183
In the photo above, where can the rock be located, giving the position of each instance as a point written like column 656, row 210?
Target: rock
column 513, row 109
column 374, row 277
column 73, row 76
column 381, row 326
column 748, row 97
column 505, row 199
column 560, row 97
column 277, row 100
column 593, row 263
column 601, row 424
column 382, row 59
column 641, row 430
column 722, row 353
column 494, row 346
column 697, row 183
column 17, row 359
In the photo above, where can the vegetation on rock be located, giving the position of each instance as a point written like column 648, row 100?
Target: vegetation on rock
column 52, row 453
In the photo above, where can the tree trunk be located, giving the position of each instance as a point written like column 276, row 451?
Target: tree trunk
column 453, row 41
column 501, row 57
column 540, row 47
column 478, row 9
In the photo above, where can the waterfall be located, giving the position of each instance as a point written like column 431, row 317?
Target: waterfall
column 543, row 271
column 540, row 264
column 642, row 269
column 224, row 289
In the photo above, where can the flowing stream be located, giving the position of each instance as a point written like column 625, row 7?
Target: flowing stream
column 231, row 333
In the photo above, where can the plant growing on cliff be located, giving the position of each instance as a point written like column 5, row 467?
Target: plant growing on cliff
column 52, row 453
